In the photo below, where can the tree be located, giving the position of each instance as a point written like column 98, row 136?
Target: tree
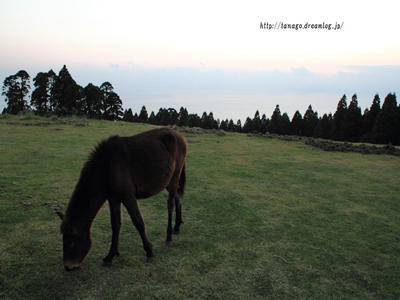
column 231, row 126
column 92, row 103
column 41, row 95
column 173, row 116
column 338, row 120
column 324, row 127
column 256, row 122
column 369, row 118
column 310, row 121
column 194, row 120
column 248, row 126
column 15, row 89
column 353, row 121
column 264, row 124
column 66, row 95
column 275, row 123
column 297, row 124
column 152, row 118
column 239, row 126
column 386, row 126
column 224, row 125
column 162, row 117
column 143, row 117
column 113, row 107
column 128, row 116
column 285, row 124
column 112, row 104
column 208, row 122
column 183, row 117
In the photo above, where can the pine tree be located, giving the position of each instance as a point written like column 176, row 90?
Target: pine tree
column 15, row 89
column 231, row 126
column 369, row 118
column 194, row 120
column 310, row 121
column 264, row 124
column 224, row 125
column 143, row 116
column 128, row 116
column 92, row 103
column 275, row 123
column 324, row 127
column 152, row 118
column 386, row 126
column 353, row 121
column 256, row 122
column 297, row 124
column 248, row 126
column 66, row 94
column 162, row 117
column 398, row 124
column 239, row 126
column 183, row 117
column 208, row 122
column 338, row 120
column 285, row 124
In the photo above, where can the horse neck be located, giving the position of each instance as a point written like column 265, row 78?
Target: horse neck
column 85, row 202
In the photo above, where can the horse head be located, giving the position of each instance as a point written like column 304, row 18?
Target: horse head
column 76, row 244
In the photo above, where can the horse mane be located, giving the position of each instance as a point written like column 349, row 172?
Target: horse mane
column 100, row 155
column 94, row 172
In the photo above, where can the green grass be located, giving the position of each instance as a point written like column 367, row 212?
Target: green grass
column 264, row 218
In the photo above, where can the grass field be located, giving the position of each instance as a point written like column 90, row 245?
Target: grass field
column 264, row 218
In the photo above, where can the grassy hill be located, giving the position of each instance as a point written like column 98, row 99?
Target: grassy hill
column 264, row 218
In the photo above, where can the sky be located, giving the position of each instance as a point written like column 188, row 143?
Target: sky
column 210, row 55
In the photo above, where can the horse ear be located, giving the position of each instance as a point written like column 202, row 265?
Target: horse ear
column 61, row 215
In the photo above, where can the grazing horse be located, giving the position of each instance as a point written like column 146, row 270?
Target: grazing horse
column 122, row 170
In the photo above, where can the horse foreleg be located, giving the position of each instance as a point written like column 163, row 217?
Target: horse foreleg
column 115, row 212
column 133, row 210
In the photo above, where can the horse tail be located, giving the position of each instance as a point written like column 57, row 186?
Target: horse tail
column 182, row 181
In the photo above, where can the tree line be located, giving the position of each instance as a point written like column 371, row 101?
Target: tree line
column 61, row 95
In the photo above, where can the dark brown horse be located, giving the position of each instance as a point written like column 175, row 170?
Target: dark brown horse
column 122, row 170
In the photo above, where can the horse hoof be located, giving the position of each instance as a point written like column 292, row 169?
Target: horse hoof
column 68, row 268
column 176, row 231
column 107, row 260
column 107, row 263
column 149, row 259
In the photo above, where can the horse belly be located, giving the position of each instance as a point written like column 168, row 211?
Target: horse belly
column 153, row 178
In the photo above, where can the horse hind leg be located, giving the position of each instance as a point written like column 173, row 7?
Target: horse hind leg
column 178, row 198
column 178, row 214
column 171, row 204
